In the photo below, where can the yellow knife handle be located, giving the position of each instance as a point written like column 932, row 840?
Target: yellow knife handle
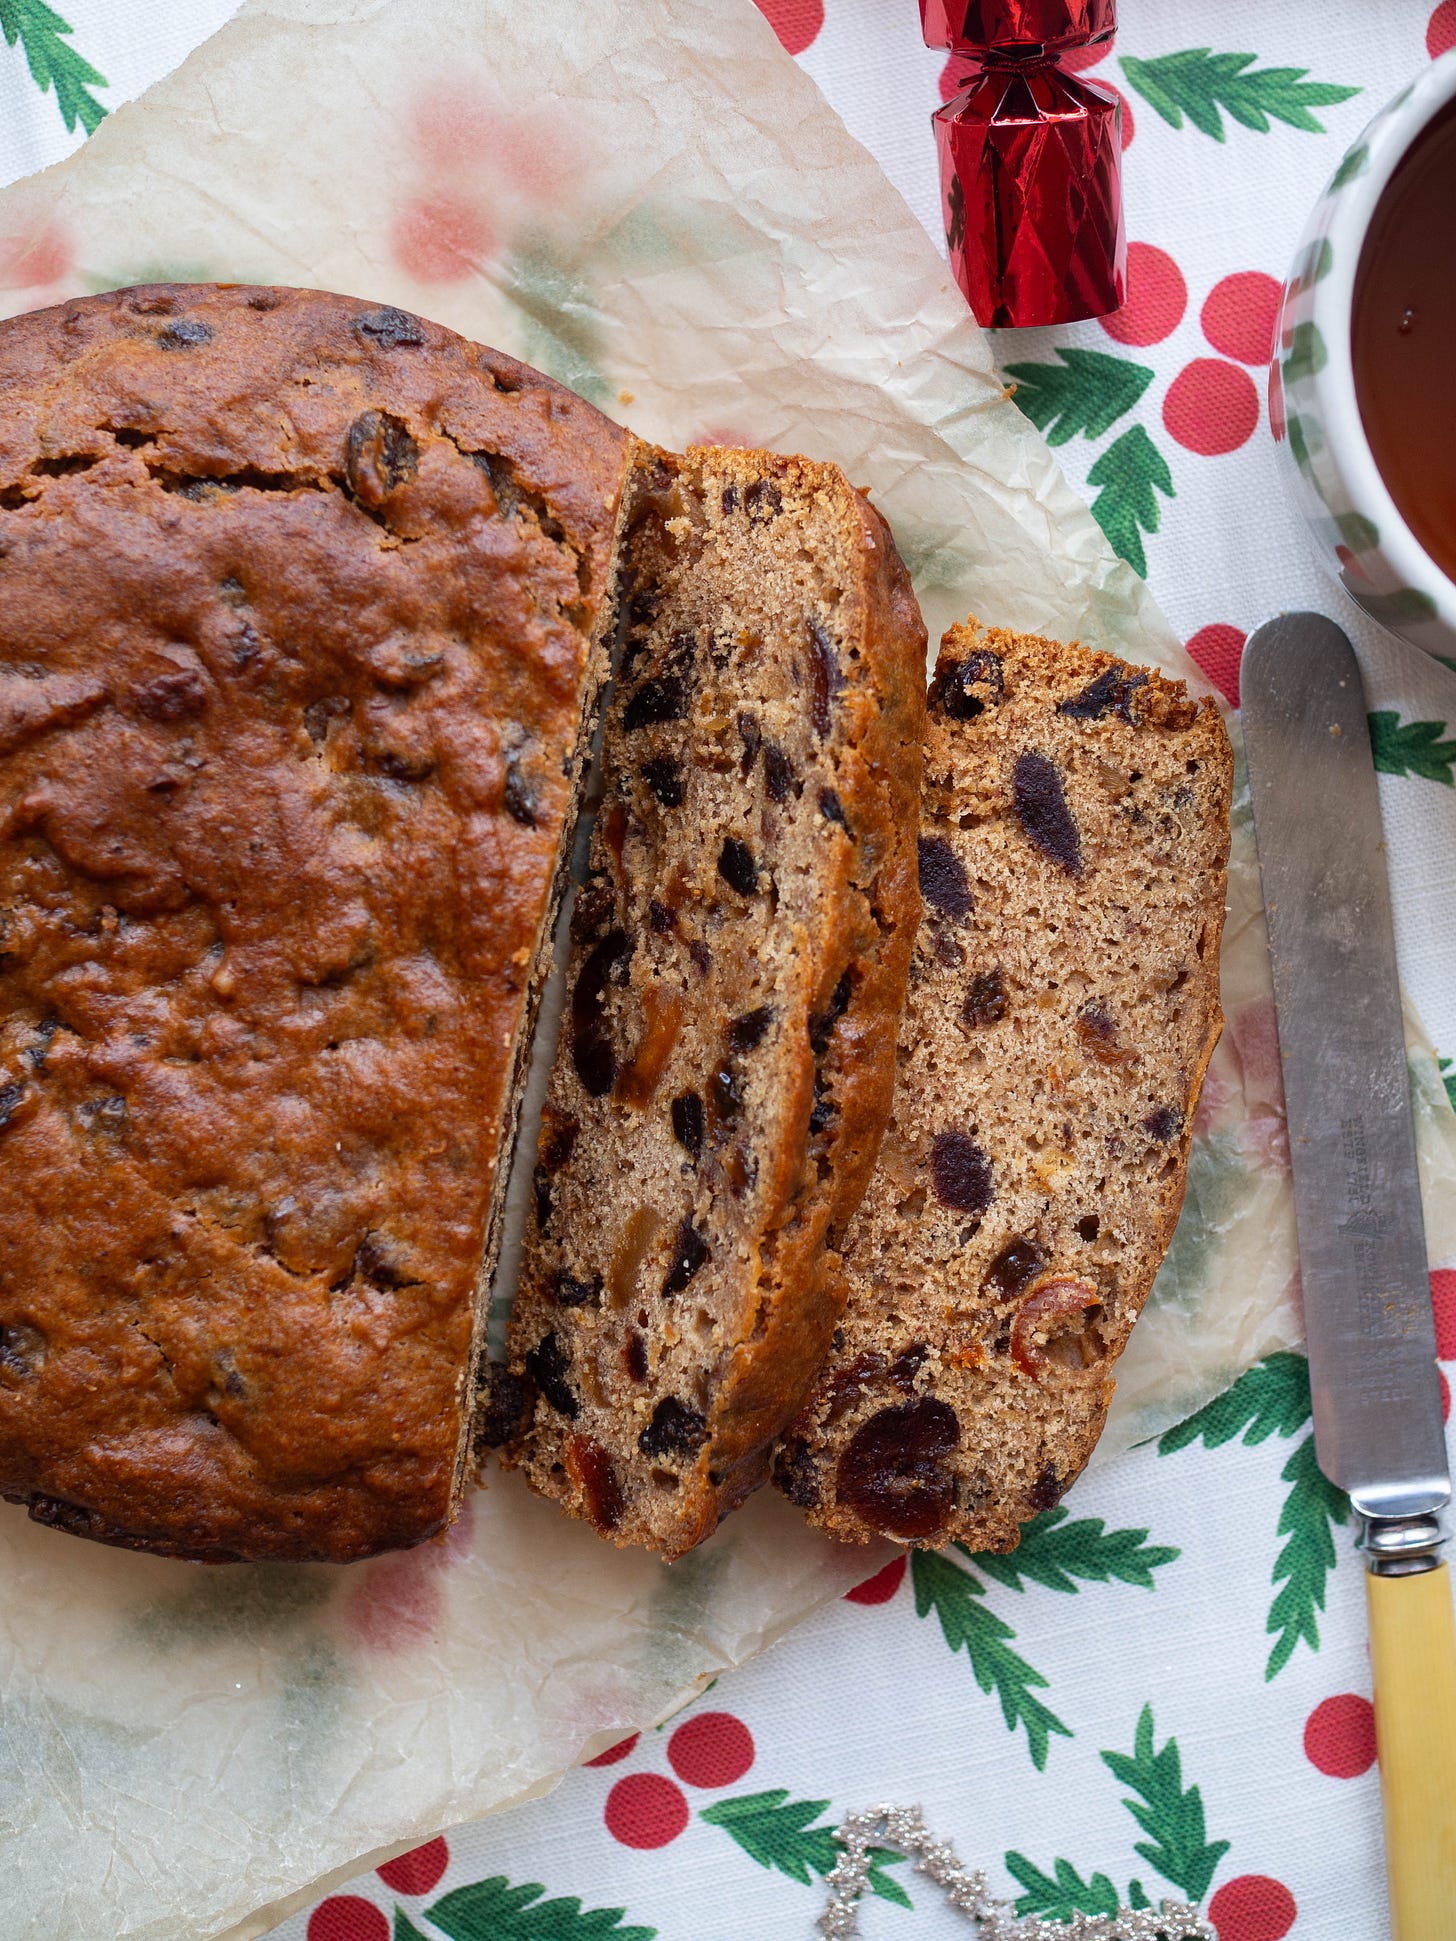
column 1413, row 1655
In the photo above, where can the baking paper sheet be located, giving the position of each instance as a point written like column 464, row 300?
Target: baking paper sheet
column 649, row 200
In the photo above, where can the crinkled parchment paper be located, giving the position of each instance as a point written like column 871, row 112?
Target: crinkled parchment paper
column 648, row 199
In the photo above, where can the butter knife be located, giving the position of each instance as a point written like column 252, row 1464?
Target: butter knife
column 1367, row 1303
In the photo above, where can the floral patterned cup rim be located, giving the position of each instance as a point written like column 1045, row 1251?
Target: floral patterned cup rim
column 1363, row 178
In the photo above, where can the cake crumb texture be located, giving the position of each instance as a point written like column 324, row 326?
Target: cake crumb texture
column 738, row 964
column 1063, row 1007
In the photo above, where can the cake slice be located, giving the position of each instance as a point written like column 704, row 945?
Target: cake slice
column 1063, row 1006
column 739, row 953
column 303, row 622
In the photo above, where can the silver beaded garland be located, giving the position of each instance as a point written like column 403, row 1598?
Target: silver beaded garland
column 904, row 1829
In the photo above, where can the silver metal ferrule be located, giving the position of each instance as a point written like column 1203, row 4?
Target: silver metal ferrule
column 1402, row 1546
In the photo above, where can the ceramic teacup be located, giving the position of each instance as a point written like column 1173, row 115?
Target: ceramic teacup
column 1361, row 534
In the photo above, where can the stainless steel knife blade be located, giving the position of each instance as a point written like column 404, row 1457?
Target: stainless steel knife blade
column 1367, row 1303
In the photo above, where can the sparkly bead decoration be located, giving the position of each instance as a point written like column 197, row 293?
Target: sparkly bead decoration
column 1030, row 162
column 904, row 1829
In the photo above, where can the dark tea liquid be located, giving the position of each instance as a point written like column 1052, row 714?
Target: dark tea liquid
column 1404, row 339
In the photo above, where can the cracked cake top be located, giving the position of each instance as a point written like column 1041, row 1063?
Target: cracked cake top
column 299, row 616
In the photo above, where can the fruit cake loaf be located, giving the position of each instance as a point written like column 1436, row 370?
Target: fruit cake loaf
column 301, row 605
column 740, row 949
column 1063, row 1006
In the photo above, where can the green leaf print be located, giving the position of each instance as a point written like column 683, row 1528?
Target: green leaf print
column 1303, row 1566
column 1085, row 393
column 1448, row 1079
column 775, row 1831
column 1351, row 168
column 1411, row 603
column 1128, row 475
column 1412, row 748
column 1306, row 355
column 1055, row 1553
column 492, row 1910
column 53, row 63
column 1205, row 86
column 561, row 321
column 956, row 1597
column 1271, row 1398
column 1171, row 1816
column 405, row 1929
column 1058, row 1898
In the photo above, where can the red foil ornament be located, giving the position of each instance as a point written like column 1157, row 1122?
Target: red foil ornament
column 1048, row 27
column 1030, row 162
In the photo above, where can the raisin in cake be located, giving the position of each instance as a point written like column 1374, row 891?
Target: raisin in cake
column 740, row 950
column 300, row 604
column 1063, row 1006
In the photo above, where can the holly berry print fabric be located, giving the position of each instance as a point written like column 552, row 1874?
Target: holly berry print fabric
column 1165, row 1691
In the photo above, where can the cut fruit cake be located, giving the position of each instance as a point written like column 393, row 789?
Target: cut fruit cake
column 1063, row 1007
column 738, row 963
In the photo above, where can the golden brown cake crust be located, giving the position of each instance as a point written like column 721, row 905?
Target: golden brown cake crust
column 739, row 965
column 1063, row 1007
column 297, row 606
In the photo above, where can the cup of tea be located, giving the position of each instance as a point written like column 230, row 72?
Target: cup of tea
column 1363, row 385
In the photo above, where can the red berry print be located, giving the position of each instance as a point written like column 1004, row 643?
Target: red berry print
column 1129, row 125
column 613, row 1753
column 1211, row 407
column 880, row 1588
column 33, row 262
column 1339, row 1736
column 644, row 1810
column 419, row 1871
column 440, row 238
column 344, row 1917
column 395, row 1605
column 711, row 1749
column 1443, row 1300
column 1079, row 58
column 796, row 22
column 1445, row 1395
column 1252, row 1908
column 1276, row 404
column 1441, row 30
column 1218, row 649
column 1157, row 296
column 1239, row 315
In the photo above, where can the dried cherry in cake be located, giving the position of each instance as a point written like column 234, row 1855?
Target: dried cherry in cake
column 548, row 1365
column 506, row 1405
column 943, row 881
column 690, row 1251
column 893, row 1471
column 737, row 867
column 676, row 1429
column 591, row 1039
column 689, row 1123
column 961, row 1173
column 965, row 688
column 986, row 1001
column 1017, row 1264
column 664, row 777
column 1109, row 693
column 1043, row 811
column 568, row 1291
